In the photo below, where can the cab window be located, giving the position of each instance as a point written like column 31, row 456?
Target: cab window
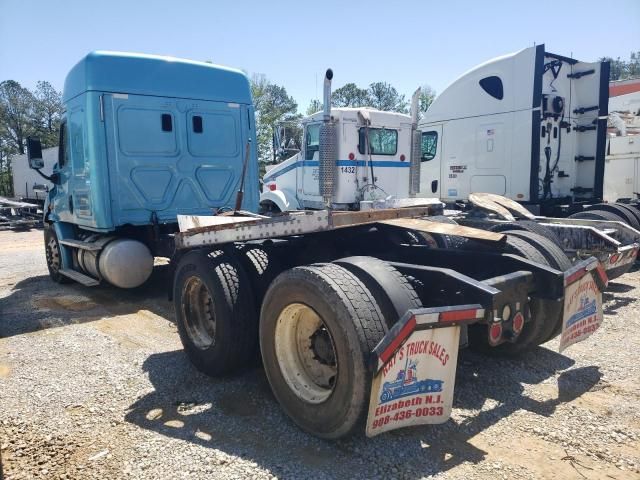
column 312, row 141
column 382, row 141
column 63, row 151
column 429, row 146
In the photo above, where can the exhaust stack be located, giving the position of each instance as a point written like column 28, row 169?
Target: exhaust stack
column 326, row 95
column 328, row 147
column 416, row 146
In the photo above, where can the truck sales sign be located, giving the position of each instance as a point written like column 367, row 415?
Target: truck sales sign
column 582, row 311
column 416, row 385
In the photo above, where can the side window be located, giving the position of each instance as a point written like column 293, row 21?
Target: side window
column 197, row 124
column 493, row 86
column 76, row 141
column 312, row 141
column 429, row 146
column 382, row 141
column 63, row 151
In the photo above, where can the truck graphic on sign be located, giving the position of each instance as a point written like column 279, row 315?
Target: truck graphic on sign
column 407, row 383
column 587, row 308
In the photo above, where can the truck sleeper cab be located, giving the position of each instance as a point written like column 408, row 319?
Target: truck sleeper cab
column 143, row 139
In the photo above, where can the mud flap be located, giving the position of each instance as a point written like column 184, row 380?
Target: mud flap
column 583, row 313
column 415, row 368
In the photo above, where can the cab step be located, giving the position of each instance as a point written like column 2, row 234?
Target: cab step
column 81, row 278
column 70, row 242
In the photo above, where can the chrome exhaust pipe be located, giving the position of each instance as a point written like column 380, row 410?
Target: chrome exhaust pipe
column 326, row 96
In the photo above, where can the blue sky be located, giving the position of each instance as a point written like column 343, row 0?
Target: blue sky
column 406, row 43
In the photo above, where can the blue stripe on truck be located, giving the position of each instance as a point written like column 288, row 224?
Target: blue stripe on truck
column 339, row 163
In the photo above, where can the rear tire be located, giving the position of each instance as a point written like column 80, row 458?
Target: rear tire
column 552, row 253
column 317, row 328
column 598, row 215
column 529, row 226
column 557, row 259
column 534, row 331
column 625, row 215
column 215, row 312
column 53, row 255
column 392, row 290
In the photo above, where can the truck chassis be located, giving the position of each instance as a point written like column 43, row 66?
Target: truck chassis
column 330, row 298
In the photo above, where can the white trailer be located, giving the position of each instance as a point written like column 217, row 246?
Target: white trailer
column 27, row 184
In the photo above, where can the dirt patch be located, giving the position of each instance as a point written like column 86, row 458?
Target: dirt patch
column 5, row 370
column 139, row 330
column 74, row 303
column 545, row 460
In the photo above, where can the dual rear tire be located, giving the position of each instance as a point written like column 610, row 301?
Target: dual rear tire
column 317, row 327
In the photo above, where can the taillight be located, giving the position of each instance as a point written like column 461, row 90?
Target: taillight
column 495, row 332
column 402, row 158
column 272, row 186
column 614, row 258
column 518, row 323
column 351, row 156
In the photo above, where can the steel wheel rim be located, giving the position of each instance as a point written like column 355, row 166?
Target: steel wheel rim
column 197, row 311
column 310, row 375
column 53, row 254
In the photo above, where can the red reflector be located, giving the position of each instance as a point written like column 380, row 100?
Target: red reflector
column 457, row 315
column 272, row 187
column 351, row 156
column 402, row 157
column 495, row 332
column 574, row 277
column 518, row 322
column 396, row 342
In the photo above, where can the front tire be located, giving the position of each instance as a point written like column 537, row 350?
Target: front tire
column 53, row 255
column 317, row 327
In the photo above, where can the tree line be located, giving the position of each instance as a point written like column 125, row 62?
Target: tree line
column 623, row 69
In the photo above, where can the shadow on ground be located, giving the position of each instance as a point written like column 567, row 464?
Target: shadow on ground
column 37, row 303
column 240, row 416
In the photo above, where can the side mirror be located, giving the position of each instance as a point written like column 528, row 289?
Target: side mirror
column 34, row 153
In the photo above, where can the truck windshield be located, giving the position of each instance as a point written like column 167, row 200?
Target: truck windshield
column 382, row 141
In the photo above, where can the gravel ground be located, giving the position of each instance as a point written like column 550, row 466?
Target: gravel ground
column 94, row 384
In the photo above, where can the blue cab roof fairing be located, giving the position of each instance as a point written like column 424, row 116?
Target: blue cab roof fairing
column 136, row 73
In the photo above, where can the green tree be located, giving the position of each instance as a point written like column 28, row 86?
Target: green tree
column 17, row 111
column 623, row 69
column 427, row 95
column 384, row 96
column 48, row 110
column 314, row 106
column 350, row 96
column 272, row 105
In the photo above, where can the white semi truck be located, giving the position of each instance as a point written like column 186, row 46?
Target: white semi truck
column 530, row 125
column 384, row 159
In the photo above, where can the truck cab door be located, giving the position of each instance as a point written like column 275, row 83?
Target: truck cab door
column 310, row 171
column 61, row 198
column 431, row 161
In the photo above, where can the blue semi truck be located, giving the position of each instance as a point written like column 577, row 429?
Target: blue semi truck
column 158, row 159
column 142, row 140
